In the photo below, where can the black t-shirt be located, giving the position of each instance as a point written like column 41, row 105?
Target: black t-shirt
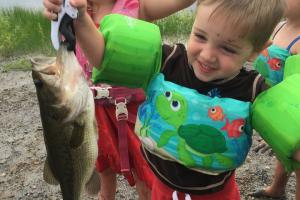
column 245, row 86
column 177, row 70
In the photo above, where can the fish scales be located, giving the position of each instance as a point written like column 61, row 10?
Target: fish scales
column 69, row 124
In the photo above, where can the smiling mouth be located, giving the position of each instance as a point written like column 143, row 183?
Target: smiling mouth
column 205, row 68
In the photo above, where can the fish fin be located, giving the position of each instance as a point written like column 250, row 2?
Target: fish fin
column 77, row 135
column 48, row 175
column 92, row 187
column 226, row 126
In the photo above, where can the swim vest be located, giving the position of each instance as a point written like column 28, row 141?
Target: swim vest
column 198, row 131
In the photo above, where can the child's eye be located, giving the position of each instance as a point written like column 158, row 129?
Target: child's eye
column 200, row 37
column 228, row 50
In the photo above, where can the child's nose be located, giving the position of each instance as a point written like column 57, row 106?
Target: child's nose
column 208, row 54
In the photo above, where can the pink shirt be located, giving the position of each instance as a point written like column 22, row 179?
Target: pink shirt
column 124, row 7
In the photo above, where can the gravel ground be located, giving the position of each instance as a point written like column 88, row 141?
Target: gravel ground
column 22, row 150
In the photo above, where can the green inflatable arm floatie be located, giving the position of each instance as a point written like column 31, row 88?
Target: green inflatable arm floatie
column 292, row 66
column 276, row 115
column 132, row 52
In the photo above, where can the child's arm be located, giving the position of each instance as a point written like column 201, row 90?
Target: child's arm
column 90, row 39
column 157, row 9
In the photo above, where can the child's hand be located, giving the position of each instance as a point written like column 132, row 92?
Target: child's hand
column 52, row 7
column 81, row 5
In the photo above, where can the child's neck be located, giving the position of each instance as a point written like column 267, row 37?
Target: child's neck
column 293, row 23
column 287, row 34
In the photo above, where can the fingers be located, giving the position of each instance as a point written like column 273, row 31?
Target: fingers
column 50, row 14
column 81, row 5
column 52, row 7
column 77, row 3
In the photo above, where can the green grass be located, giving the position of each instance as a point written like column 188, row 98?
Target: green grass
column 176, row 25
column 21, row 63
column 24, row 31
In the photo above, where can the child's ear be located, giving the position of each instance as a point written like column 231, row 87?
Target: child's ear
column 258, row 51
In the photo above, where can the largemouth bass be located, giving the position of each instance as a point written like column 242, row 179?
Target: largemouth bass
column 69, row 124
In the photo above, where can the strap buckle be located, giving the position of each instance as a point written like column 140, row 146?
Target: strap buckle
column 101, row 92
column 121, row 109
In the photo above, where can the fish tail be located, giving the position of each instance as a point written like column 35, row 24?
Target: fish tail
column 225, row 127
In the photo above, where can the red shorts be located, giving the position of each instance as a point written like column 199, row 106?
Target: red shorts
column 108, row 154
column 160, row 191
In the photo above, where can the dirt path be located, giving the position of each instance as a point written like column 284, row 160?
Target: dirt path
column 22, row 150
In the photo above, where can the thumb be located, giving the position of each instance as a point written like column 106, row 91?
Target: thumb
column 78, row 3
column 81, row 5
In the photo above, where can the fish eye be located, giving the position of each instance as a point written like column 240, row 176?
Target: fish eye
column 168, row 94
column 213, row 110
column 241, row 128
column 175, row 105
column 38, row 83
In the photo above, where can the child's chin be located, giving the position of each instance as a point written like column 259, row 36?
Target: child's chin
column 204, row 78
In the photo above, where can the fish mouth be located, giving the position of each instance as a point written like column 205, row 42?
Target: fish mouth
column 44, row 72
column 44, row 65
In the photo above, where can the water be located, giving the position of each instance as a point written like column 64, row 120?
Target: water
column 30, row 4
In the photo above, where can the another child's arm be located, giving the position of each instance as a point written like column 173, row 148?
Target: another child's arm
column 90, row 39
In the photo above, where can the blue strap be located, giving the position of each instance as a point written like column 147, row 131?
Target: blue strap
column 292, row 43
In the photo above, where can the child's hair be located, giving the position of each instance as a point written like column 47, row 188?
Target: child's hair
column 253, row 19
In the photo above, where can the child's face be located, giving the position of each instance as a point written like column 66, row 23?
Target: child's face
column 214, row 49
